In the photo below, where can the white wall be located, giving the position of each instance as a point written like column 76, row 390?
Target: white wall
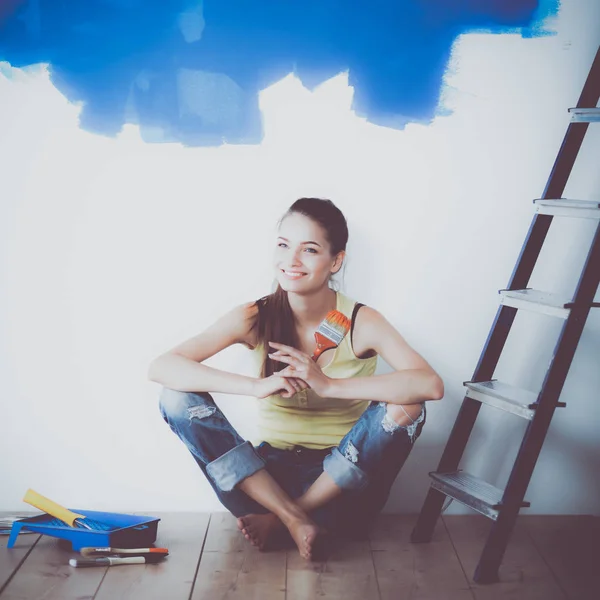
column 114, row 251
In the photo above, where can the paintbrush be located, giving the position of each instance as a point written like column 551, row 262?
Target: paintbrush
column 109, row 561
column 331, row 332
column 89, row 551
column 64, row 514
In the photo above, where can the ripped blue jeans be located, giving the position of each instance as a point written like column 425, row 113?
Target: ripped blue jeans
column 364, row 465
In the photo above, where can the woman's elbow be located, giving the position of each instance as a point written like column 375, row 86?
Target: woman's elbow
column 154, row 370
column 437, row 387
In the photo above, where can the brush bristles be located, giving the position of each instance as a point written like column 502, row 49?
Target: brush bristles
column 335, row 326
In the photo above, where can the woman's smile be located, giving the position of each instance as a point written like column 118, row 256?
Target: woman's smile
column 293, row 274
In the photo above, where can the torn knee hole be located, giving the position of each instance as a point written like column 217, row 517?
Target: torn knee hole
column 388, row 424
column 404, row 416
column 351, row 453
column 201, row 412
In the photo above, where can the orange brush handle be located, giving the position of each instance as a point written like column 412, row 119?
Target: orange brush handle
column 323, row 344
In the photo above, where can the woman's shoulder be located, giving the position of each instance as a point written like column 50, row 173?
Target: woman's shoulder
column 361, row 332
column 352, row 307
column 362, row 317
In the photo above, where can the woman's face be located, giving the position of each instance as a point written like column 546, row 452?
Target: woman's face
column 302, row 258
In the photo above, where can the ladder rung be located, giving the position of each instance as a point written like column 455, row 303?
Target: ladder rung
column 562, row 207
column 503, row 396
column 585, row 115
column 470, row 491
column 541, row 302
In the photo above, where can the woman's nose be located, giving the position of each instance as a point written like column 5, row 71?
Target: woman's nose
column 296, row 257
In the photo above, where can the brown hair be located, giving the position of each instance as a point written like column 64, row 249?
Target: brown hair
column 275, row 321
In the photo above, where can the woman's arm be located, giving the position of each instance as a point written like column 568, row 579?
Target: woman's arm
column 180, row 368
column 413, row 379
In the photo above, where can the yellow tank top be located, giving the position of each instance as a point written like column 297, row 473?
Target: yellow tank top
column 306, row 419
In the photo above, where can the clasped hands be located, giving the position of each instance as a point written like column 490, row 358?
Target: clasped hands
column 301, row 369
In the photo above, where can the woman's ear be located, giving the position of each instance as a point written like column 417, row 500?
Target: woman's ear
column 338, row 262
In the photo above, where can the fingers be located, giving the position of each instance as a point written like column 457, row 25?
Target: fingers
column 294, row 382
column 290, row 390
column 303, row 384
column 290, row 383
column 291, row 372
column 288, row 349
column 286, row 359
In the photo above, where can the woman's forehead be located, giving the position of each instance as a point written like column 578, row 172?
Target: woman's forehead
column 299, row 226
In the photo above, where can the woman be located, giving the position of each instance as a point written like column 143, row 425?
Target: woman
column 333, row 435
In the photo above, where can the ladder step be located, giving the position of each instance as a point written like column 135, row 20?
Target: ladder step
column 541, row 302
column 503, row 396
column 562, row 207
column 585, row 115
column 470, row 491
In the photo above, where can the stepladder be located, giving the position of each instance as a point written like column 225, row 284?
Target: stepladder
column 449, row 482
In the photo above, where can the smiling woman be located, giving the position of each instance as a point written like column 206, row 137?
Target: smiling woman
column 333, row 436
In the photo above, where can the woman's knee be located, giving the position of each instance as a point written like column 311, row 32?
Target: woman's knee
column 404, row 415
column 174, row 404
column 412, row 421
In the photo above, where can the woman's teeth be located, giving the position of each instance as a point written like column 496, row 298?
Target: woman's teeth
column 294, row 275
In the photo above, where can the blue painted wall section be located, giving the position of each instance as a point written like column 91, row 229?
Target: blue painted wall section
column 190, row 71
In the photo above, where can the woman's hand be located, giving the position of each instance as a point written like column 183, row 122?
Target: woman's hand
column 301, row 366
column 286, row 387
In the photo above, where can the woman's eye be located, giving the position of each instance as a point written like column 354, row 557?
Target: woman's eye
column 312, row 250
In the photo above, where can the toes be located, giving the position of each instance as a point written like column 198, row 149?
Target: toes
column 241, row 524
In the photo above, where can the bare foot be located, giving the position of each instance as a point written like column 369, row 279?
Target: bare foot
column 260, row 530
column 305, row 533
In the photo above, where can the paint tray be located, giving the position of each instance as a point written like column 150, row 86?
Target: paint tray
column 122, row 531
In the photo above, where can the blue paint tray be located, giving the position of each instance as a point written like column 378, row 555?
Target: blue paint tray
column 122, row 531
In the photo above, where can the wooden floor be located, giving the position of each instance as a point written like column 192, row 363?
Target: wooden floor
column 549, row 557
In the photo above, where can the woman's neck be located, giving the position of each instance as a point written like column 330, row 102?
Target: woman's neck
column 311, row 309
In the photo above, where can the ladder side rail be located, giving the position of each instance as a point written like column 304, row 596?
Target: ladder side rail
column 575, row 133
column 533, row 440
column 564, row 351
column 557, row 181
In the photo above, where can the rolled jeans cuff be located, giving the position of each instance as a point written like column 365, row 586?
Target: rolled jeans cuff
column 234, row 466
column 344, row 473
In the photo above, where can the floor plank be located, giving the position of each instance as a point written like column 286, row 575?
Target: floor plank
column 11, row 558
column 46, row 574
column 416, row 571
column 183, row 534
column 523, row 574
column 570, row 545
column 232, row 569
column 348, row 573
